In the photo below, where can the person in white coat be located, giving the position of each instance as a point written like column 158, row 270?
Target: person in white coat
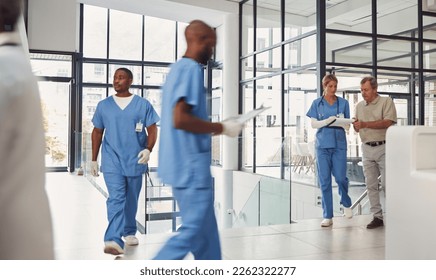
column 25, row 219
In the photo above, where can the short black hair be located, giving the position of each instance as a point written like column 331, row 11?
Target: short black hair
column 127, row 71
column 10, row 11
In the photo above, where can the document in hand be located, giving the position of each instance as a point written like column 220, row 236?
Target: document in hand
column 248, row 116
column 341, row 122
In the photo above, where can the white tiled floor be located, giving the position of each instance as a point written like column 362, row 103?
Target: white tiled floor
column 79, row 218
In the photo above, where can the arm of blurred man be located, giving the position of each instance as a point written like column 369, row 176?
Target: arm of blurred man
column 183, row 119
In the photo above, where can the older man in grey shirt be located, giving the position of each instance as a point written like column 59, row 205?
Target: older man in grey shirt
column 373, row 117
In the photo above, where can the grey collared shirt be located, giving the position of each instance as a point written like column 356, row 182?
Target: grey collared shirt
column 381, row 108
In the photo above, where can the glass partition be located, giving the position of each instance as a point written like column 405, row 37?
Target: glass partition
column 429, row 24
column 300, row 53
column 299, row 19
column 247, row 70
column 95, row 32
column 159, row 46
column 430, row 99
column 125, row 35
column 268, row 204
column 429, row 57
column 397, row 53
column 268, row 146
column 247, row 28
column 248, row 131
column 94, row 73
column 391, row 15
column 345, row 48
column 268, row 24
column 349, row 15
column 55, row 98
column 55, row 80
column 155, row 75
column 268, row 62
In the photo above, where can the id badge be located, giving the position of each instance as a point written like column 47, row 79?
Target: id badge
column 139, row 126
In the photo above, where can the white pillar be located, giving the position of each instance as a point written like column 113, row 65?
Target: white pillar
column 230, row 87
column 229, row 109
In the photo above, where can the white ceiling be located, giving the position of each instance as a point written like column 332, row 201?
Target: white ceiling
column 344, row 12
column 210, row 11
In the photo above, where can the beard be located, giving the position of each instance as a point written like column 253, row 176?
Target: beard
column 204, row 57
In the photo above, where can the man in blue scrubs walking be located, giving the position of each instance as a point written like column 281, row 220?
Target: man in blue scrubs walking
column 185, row 149
column 129, row 126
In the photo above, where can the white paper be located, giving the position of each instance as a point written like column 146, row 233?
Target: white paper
column 248, row 116
column 341, row 122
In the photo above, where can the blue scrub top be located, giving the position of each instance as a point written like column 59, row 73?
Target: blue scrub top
column 121, row 142
column 182, row 154
column 329, row 137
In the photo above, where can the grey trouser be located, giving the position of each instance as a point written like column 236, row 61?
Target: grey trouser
column 373, row 160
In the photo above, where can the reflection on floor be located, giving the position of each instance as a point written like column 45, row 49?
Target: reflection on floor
column 79, row 218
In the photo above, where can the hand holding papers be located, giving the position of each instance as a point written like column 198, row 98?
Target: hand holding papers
column 250, row 115
column 233, row 126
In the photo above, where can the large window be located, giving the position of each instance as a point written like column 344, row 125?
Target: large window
column 55, row 86
column 147, row 46
column 357, row 38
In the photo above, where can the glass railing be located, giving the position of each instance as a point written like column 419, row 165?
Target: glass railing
column 268, row 204
column 157, row 209
column 304, row 175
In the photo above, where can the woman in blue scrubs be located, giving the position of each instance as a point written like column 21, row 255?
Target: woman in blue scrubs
column 331, row 147
column 128, row 123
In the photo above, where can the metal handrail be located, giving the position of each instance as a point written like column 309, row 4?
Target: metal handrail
column 357, row 203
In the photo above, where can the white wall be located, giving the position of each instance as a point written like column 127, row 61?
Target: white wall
column 304, row 202
column 52, row 25
column 410, row 193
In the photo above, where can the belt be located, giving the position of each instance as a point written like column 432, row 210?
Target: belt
column 375, row 143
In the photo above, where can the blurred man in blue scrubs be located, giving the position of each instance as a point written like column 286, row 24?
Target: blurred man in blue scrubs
column 130, row 133
column 185, row 149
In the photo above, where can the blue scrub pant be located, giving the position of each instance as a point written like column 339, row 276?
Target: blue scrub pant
column 332, row 161
column 199, row 231
column 122, row 205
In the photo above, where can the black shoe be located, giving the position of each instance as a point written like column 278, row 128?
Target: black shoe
column 375, row 223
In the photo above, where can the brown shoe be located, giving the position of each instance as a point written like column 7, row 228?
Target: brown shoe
column 375, row 223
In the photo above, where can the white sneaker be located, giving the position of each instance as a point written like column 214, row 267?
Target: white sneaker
column 327, row 222
column 112, row 247
column 131, row 240
column 348, row 212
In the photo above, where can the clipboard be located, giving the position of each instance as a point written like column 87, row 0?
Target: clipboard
column 252, row 114
column 341, row 122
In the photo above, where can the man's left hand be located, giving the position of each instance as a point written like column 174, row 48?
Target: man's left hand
column 144, row 156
